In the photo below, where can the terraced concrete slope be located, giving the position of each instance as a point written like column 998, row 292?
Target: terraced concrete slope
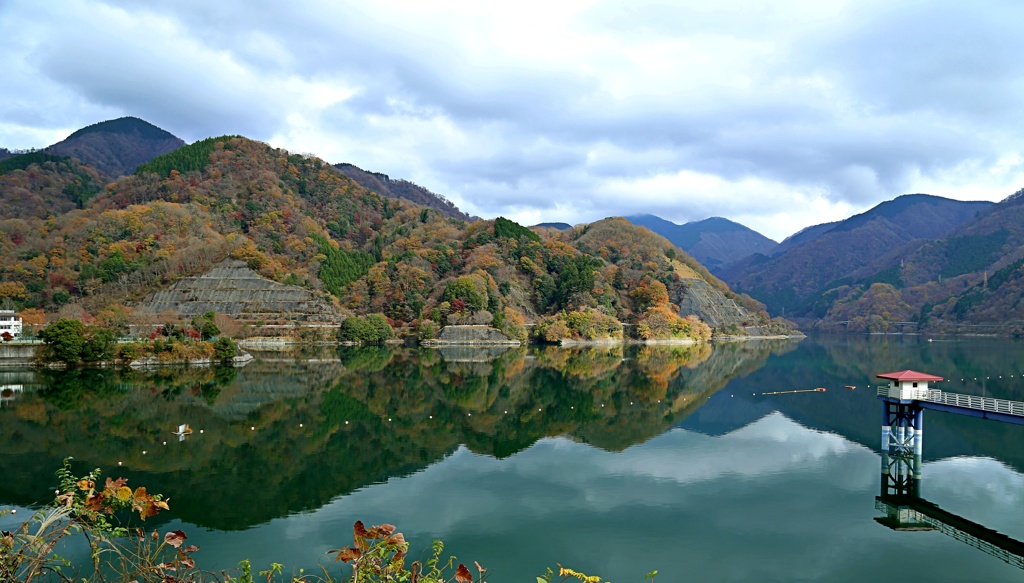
column 233, row 289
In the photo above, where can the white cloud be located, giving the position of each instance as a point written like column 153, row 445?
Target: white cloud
column 776, row 115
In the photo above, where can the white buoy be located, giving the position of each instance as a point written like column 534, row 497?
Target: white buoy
column 346, row 423
column 200, row 431
column 300, row 425
column 118, row 463
column 165, row 443
column 253, row 428
column 143, row 452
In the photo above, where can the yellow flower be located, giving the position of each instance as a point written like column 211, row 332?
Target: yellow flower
column 124, row 493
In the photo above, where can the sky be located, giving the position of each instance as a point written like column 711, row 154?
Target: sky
column 778, row 115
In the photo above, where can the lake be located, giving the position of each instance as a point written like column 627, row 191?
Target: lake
column 613, row 461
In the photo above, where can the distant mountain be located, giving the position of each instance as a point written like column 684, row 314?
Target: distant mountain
column 970, row 280
column 117, row 146
column 822, row 258
column 714, row 241
column 803, row 236
column 398, row 188
column 559, row 226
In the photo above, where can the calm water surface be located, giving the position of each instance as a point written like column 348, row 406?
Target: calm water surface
column 611, row 461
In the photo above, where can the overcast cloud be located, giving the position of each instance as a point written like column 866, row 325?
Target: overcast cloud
column 776, row 115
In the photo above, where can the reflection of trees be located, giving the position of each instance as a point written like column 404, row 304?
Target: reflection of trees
column 368, row 358
column 378, row 413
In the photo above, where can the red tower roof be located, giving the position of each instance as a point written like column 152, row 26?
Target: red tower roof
column 908, row 375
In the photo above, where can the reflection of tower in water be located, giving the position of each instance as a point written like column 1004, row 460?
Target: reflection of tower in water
column 905, row 510
column 9, row 393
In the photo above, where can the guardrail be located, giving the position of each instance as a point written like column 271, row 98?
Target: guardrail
column 966, row 401
column 976, row 402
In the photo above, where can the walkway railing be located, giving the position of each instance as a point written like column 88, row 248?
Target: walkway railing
column 976, row 402
column 915, row 516
column 966, row 401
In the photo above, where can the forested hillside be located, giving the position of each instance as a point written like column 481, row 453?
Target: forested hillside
column 39, row 185
column 968, row 281
column 116, row 147
column 797, row 281
column 296, row 220
column 384, row 184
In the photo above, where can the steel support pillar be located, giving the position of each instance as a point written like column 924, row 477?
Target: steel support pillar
column 902, row 446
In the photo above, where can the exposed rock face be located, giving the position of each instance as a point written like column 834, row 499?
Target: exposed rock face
column 473, row 335
column 233, row 289
column 697, row 297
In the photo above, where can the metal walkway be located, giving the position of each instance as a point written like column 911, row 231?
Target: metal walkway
column 973, row 405
column 909, row 513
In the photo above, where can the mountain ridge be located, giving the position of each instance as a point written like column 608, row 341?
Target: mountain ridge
column 714, row 241
column 295, row 221
column 116, row 147
column 404, row 189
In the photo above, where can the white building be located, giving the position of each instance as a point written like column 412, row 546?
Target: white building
column 10, row 322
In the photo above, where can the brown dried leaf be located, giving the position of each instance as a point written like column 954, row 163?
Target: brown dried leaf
column 380, row 531
column 462, row 574
column 86, row 484
column 345, row 554
column 146, row 504
column 396, row 539
column 188, row 562
column 175, row 538
column 94, row 502
column 115, row 484
column 190, row 549
column 479, row 568
column 359, row 535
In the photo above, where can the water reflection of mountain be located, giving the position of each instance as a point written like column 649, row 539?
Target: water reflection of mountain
column 834, row 362
column 277, row 438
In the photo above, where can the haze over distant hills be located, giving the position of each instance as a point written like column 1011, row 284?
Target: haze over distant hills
column 116, row 147
column 714, row 242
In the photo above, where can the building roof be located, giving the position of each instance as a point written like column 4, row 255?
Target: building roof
column 908, row 375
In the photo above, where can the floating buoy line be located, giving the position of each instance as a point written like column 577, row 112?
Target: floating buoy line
column 818, row 389
column 183, row 431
